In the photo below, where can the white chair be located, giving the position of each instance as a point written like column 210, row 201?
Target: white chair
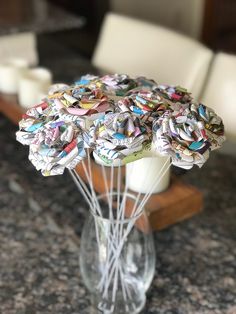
column 219, row 94
column 127, row 45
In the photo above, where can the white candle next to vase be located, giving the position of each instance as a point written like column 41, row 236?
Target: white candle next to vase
column 33, row 85
column 143, row 174
column 10, row 73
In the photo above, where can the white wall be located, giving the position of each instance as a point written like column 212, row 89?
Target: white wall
column 185, row 16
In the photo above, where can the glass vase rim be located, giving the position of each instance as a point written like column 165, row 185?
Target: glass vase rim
column 124, row 220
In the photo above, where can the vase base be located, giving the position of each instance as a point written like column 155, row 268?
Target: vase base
column 133, row 306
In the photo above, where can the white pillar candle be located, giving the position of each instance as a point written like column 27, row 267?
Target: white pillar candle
column 10, row 73
column 32, row 85
column 143, row 174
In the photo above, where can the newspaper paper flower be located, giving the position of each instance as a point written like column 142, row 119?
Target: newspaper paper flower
column 174, row 93
column 144, row 103
column 58, row 145
column 121, row 119
column 81, row 101
column 115, row 84
column 31, row 122
column 117, row 136
column 188, row 135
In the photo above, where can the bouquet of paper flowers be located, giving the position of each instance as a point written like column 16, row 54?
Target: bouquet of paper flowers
column 115, row 120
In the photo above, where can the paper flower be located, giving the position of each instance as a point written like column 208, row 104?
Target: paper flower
column 174, row 93
column 188, row 135
column 31, row 122
column 121, row 119
column 81, row 101
column 56, row 146
column 115, row 84
column 116, row 136
column 144, row 103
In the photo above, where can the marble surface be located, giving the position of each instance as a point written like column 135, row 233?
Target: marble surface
column 40, row 226
column 38, row 16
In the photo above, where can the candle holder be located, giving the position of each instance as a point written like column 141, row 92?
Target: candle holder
column 142, row 175
column 10, row 73
column 33, row 84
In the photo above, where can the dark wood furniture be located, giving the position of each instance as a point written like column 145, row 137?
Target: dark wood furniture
column 219, row 25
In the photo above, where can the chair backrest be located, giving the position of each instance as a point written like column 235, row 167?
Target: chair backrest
column 220, row 90
column 127, row 45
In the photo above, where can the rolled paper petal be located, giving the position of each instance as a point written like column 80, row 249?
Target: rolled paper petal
column 57, row 88
column 86, row 79
column 52, row 160
column 188, row 135
column 72, row 100
column 174, row 93
column 115, row 84
column 117, row 135
column 55, row 143
column 118, row 84
column 148, row 104
column 63, row 115
column 24, row 138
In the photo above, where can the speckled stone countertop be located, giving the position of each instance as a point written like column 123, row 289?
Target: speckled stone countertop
column 41, row 221
column 40, row 225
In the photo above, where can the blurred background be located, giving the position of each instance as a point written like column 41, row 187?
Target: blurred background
column 209, row 21
column 187, row 42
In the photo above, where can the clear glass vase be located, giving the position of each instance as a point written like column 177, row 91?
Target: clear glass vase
column 117, row 256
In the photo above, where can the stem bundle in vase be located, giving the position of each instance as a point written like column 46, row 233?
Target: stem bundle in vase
column 116, row 120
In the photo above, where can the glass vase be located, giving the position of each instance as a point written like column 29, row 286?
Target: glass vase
column 117, row 256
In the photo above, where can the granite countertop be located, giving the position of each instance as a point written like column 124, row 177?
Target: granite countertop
column 35, row 16
column 41, row 221
column 40, row 234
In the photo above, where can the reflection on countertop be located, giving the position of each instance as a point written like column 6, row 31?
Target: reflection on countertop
column 35, row 16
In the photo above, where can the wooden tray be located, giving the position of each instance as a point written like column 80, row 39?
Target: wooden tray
column 179, row 202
